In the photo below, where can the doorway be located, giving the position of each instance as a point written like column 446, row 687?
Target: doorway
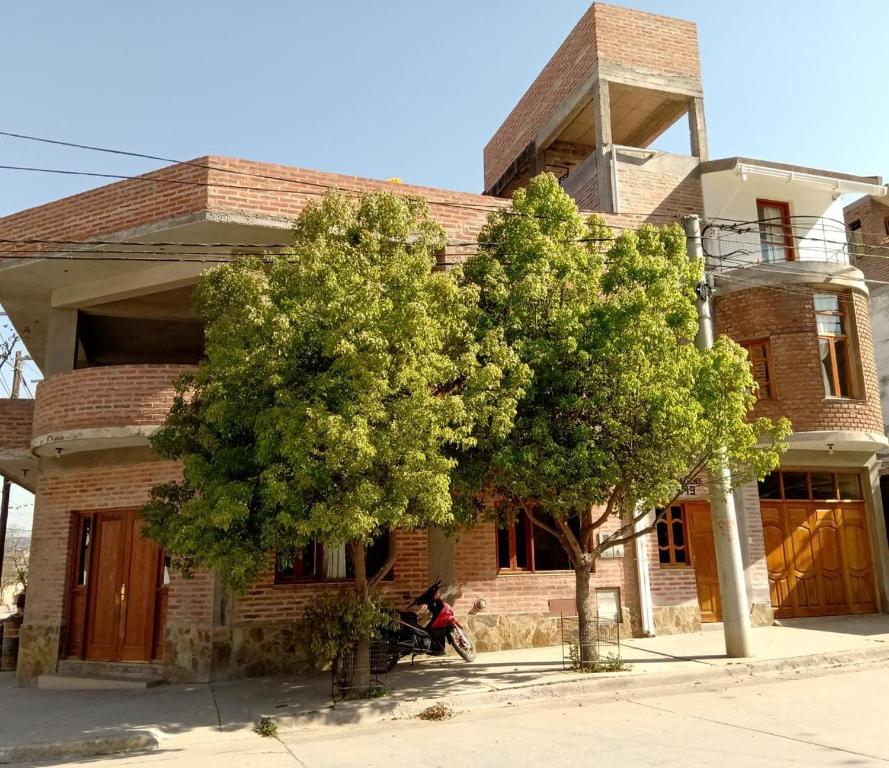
column 117, row 594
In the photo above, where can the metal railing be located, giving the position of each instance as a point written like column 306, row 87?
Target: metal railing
column 732, row 245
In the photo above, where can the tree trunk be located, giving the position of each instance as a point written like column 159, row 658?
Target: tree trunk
column 586, row 617
column 361, row 672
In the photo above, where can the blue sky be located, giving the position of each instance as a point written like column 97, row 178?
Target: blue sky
column 402, row 88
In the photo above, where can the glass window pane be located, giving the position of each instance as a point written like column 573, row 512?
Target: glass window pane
column 840, row 352
column 822, row 485
column 521, row 540
column 830, row 325
column 769, row 487
column 826, row 367
column 84, row 554
column 826, row 302
column 850, row 485
column 795, row 486
column 503, row 547
column 549, row 554
column 681, row 556
column 678, row 533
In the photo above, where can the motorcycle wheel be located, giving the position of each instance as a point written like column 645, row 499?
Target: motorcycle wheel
column 462, row 644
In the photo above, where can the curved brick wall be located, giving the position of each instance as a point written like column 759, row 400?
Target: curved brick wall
column 15, row 423
column 787, row 319
column 106, row 396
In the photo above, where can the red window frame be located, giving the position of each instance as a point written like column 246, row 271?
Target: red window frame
column 842, row 386
column 785, row 238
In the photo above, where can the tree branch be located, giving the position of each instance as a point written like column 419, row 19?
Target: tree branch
column 387, row 565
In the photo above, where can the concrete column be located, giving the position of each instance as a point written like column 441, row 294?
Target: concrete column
column 729, row 565
column 441, row 560
column 697, row 128
column 604, row 157
column 61, row 341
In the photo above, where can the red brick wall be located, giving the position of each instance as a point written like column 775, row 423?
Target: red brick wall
column 620, row 36
column 269, row 603
column 16, row 417
column 658, row 194
column 669, row 585
column 106, row 396
column 112, row 208
column 476, row 575
column 63, row 490
column 873, row 216
column 787, row 318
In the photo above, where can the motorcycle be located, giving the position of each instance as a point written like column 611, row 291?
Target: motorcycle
column 409, row 638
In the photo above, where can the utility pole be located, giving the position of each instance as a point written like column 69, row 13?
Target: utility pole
column 7, row 483
column 730, row 567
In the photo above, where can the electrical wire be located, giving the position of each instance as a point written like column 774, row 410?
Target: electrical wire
column 241, row 172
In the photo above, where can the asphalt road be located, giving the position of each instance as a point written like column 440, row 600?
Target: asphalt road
column 838, row 719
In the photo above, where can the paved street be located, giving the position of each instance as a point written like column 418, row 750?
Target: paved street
column 838, row 718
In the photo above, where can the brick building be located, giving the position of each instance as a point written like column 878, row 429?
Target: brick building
column 111, row 334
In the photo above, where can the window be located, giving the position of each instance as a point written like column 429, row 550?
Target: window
column 775, row 231
column 316, row 562
column 833, row 345
column 818, row 485
column 83, row 551
column 760, row 354
column 524, row 546
column 671, row 539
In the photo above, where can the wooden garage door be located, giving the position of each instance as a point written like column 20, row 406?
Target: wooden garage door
column 817, row 552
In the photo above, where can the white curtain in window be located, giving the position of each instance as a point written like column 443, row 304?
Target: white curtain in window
column 335, row 562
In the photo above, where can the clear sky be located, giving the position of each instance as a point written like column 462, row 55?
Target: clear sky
column 402, row 88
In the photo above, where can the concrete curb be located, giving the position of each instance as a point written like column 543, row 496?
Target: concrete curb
column 586, row 686
column 111, row 743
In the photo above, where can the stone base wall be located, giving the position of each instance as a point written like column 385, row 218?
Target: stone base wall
column 761, row 615
column 38, row 651
column 676, row 619
column 188, row 653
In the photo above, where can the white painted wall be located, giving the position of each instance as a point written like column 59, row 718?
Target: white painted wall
column 879, row 320
column 819, row 238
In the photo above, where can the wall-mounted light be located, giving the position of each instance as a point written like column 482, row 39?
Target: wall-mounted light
column 830, row 449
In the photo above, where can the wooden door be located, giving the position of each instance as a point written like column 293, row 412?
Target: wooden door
column 703, row 558
column 118, row 622
column 818, row 558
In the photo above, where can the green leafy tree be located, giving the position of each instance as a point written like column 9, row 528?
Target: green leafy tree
column 339, row 382
column 622, row 409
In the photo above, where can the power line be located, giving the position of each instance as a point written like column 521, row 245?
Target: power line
column 240, row 172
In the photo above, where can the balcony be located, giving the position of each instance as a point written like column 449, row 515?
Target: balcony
column 732, row 244
column 104, row 407
column 646, row 183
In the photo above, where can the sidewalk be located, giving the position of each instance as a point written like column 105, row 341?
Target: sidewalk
column 176, row 716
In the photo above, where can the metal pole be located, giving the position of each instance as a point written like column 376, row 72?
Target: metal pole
column 729, row 565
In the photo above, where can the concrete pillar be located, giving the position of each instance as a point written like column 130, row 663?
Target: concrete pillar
column 61, row 341
column 604, row 156
column 441, row 560
column 697, row 128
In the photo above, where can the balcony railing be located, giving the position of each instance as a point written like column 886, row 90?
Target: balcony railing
column 733, row 245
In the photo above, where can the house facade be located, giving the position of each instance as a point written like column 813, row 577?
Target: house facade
column 100, row 291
